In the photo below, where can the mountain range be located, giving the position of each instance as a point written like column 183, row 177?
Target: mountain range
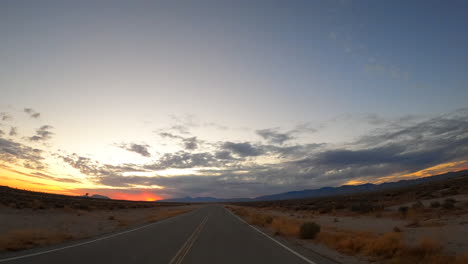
column 325, row 191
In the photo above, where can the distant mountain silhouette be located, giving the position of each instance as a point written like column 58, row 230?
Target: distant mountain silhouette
column 326, row 191
column 99, row 196
column 189, row 199
column 96, row 196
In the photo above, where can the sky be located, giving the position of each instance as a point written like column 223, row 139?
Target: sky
column 146, row 100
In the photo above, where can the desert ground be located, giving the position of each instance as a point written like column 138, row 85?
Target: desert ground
column 30, row 219
column 421, row 224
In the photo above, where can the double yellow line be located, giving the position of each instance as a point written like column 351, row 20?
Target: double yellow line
column 179, row 257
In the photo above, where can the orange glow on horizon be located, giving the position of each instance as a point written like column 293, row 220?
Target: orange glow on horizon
column 15, row 178
column 142, row 196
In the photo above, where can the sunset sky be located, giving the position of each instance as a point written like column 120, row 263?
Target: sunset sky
column 146, row 100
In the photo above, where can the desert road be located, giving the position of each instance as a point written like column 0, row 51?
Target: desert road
column 210, row 234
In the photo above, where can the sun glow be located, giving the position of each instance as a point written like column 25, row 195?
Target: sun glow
column 141, row 196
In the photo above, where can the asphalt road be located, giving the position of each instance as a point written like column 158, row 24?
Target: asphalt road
column 208, row 235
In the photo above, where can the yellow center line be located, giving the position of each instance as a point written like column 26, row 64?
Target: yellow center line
column 179, row 257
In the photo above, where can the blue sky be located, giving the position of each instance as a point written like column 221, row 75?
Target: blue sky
column 106, row 75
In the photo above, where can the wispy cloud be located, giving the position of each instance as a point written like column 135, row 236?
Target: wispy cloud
column 17, row 153
column 188, row 143
column 5, row 116
column 273, row 136
column 42, row 134
column 141, row 149
column 400, row 146
column 41, row 175
column 32, row 113
column 243, row 149
column 13, row 131
column 400, row 150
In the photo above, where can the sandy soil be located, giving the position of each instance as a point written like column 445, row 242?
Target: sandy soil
column 449, row 229
column 76, row 224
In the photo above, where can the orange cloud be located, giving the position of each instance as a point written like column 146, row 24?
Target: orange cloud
column 355, row 182
column 434, row 170
column 438, row 169
column 16, row 179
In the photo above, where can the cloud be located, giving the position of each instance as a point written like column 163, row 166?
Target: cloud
column 5, row 116
column 223, row 155
column 90, row 167
column 137, row 148
column 57, row 179
column 273, row 136
column 17, row 153
column 1, row 133
column 42, row 133
column 32, row 113
column 169, row 135
column 190, row 143
column 303, row 128
column 380, row 154
column 184, row 160
column 183, row 124
column 13, row 131
column 400, row 150
column 178, row 186
column 182, row 129
column 375, row 119
column 215, row 125
column 42, row 176
column 244, row 149
column 294, row 151
column 246, row 169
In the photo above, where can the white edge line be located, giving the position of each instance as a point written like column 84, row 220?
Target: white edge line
column 274, row 240
column 94, row 240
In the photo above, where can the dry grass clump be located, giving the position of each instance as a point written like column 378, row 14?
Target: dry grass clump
column 28, row 238
column 461, row 259
column 309, row 230
column 279, row 224
column 260, row 219
column 350, row 243
column 240, row 211
column 388, row 247
column 384, row 246
column 123, row 222
column 286, row 226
